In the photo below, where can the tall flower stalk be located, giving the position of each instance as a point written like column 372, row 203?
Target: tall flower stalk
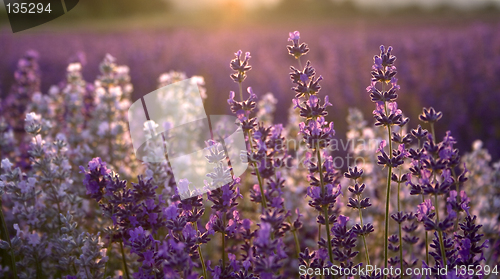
column 317, row 133
column 416, row 156
column 387, row 115
column 400, row 216
column 441, row 159
column 243, row 109
column 359, row 204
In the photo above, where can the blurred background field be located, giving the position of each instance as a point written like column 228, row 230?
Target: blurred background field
column 448, row 52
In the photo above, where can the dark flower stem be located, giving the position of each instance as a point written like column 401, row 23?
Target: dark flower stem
column 108, row 251
column 5, row 232
column 259, row 178
column 203, row 266
column 426, row 233
column 294, row 232
column 388, row 195
column 319, row 232
column 433, row 133
column 107, row 255
column 367, row 255
column 297, row 243
column 241, row 91
column 458, row 195
column 325, row 208
column 426, row 241
column 363, row 236
column 440, row 233
column 400, row 230
column 224, row 241
column 124, row 259
column 39, row 272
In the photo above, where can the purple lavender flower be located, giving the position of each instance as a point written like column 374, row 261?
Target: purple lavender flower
column 296, row 49
column 389, row 116
column 318, row 134
column 239, row 66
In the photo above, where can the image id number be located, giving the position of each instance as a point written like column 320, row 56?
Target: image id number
column 27, row 8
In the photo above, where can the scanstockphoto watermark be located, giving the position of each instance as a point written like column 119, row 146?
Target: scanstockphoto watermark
column 297, row 150
column 206, row 152
column 367, row 270
column 203, row 151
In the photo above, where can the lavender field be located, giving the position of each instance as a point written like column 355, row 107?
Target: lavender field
column 355, row 158
column 454, row 68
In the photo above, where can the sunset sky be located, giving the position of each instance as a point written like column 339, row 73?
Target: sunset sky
column 198, row 4
column 363, row 3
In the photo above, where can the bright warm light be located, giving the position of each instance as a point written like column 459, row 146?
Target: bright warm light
column 252, row 4
column 243, row 4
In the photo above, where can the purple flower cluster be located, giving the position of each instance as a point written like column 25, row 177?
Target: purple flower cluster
column 244, row 228
column 432, row 173
column 27, row 82
column 324, row 188
column 266, row 154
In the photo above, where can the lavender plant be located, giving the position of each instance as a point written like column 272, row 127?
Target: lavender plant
column 317, row 133
column 109, row 218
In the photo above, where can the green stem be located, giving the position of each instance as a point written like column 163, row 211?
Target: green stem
column 241, row 91
column 440, row 233
column 386, row 233
column 124, row 260
column 399, row 187
column 261, row 187
column 259, row 178
column 433, row 133
column 367, row 255
column 39, row 273
column 387, row 203
column 319, row 232
column 110, row 245
column 426, row 234
column 294, row 232
column 400, row 231
column 203, row 266
column 5, row 234
column 325, row 208
column 401, row 249
column 328, row 236
column 297, row 243
column 458, row 195
column 224, row 241
column 388, row 192
column 426, row 241
column 436, row 205
column 107, row 255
